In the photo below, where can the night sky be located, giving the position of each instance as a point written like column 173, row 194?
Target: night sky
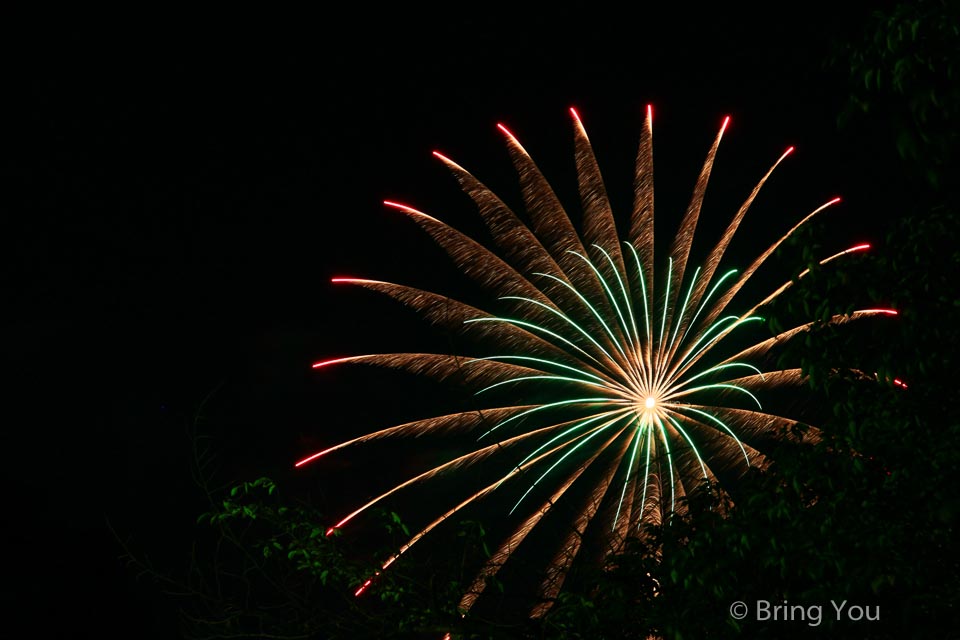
column 182, row 196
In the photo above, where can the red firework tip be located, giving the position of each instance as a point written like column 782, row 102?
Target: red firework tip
column 313, row 457
column 835, row 200
column 506, row 131
column 362, row 588
column 340, row 279
column 403, row 207
column 726, row 121
column 297, row 465
column 308, row 459
column 365, row 584
column 650, row 111
column 889, row 312
column 330, row 531
column 576, row 115
column 437, row 154
column 323, row 363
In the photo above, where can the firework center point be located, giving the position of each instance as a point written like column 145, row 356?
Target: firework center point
column 650, row 402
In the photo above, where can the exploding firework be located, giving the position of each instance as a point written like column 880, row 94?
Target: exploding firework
column 615, row 390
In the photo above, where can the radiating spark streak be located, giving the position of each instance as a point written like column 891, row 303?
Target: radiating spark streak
column 586, row 439
column 467, row 420
column 517, row 241
column 476, row 496
column 690, row 360
column 789, row 283
column 441, row 366
column 607, row 382
column 646, row 474
column 443, row 311
column 550, row 221
column 583, row 422
column 669, row 392
column 611, row 297
column 706, row 300
column 593, row 310
column 637, row 437
column 683, row 310
column 603, row 386
column 775, row 378
column 464, row 460
column 717, row 421
column 687, row 392
column 530, row 325
column 635, row 365
column 666, row 446
column 573, row 324
column 499, row 557
column 552, row 405
column 755, row 423
column 689, row 440
column 626, row 301
column 761, row 348
column 475, row 260
column 682, row 242
column 728, row 296
column 713, row 260
column 561, row 562
column 641, row 223
column 703, row 336
column 598, row 220
column 666, row 307
column 646, row 309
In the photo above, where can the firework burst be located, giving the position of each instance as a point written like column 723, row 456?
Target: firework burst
column 639, row 407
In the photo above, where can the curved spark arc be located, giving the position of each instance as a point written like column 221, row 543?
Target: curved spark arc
column 586, row 439
column 616, row 363
column 465, row 460
column 572, row 322
column 633, row 456
column 593, row 310
column 576, row 424
column 476, row 496
column 530, row 325
column 540, row 361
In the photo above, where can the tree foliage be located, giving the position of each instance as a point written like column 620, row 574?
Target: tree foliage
column 904, row 70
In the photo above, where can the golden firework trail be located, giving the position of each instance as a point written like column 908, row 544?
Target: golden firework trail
column 626, row 353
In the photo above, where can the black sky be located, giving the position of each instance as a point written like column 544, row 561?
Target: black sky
column 182, row 195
